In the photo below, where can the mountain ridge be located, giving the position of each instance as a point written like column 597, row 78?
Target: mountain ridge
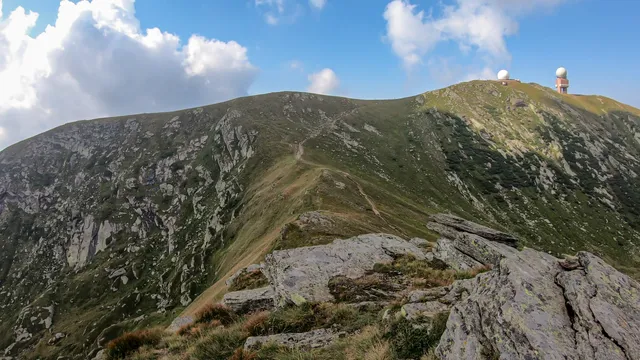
column 136, row 216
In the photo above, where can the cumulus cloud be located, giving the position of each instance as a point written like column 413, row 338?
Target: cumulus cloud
column 475, row 25
column 277, row 12
column 324, row 81
column 96, row 61
column 318, row 4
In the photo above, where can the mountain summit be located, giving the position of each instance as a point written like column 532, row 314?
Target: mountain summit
column 114, row 224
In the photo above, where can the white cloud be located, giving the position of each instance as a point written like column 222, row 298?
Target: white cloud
column 323, row 82
column 296, row 65
column 95, row 61
column 318, row 4
column 475, row 25
column 278, row 12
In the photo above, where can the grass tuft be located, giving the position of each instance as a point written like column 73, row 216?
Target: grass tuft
column 211, row 312
column 249, row 280
column 129, row 343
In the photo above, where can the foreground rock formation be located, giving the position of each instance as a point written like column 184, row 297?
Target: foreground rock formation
column 530, row 306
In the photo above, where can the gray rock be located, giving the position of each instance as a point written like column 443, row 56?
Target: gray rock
column 419, row 242
column 429, row 309
column 516, row 311
column 56, row 338
column 247, row 301
column 446, row 251
column 179, row 322
column 529, row 307
column 605, row 310
column 464, row 250
column 481, row 250
column 309, row 340
column 117, row 273
column 443, row 230
column 428, row 295
column 99, row 356
column 473, row 228
column 303, row 274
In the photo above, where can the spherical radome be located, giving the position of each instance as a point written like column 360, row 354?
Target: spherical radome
column 561, row 72
column 503, row 75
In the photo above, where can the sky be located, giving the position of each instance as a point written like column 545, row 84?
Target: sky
column 62, row 61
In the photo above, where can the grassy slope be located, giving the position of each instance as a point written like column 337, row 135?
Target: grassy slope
column 395, row 160
column 408, row 156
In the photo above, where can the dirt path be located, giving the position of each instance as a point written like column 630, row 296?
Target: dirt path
column 299, row 150
column 364, row 195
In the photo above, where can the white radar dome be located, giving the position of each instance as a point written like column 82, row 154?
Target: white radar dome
column 503, row 75
column 561, row 73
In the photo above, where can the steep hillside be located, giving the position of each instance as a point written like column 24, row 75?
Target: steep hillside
column 113, row 224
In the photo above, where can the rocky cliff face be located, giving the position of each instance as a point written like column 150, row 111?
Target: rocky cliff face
column 111, row 224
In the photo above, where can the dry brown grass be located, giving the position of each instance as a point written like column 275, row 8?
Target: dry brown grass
column 241, row 354
column 211, row 312
column 130, row 342
column 257, row 323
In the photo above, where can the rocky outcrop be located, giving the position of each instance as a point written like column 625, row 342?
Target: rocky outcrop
column 309, row 340
column 446, row 251
column 247, row 301
column 303, row 274
column 463, row 225
column 530, row 307
column 465, row 245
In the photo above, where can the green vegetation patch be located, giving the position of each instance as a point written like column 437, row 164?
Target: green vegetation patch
column 249, row 280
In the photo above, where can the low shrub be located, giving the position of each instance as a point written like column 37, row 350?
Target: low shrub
column 470, row 274
column 411, row 340
column 292, row 319
column 427, row 274
column 257, row 323
column 211, row 312
column 296, row 319
column 129, row 343
column 371, row 287
column 220, row 343
column 241, row 354
column 249, row 280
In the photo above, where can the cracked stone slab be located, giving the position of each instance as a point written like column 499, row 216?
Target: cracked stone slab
column 303, row 274
column 530, row 307
column 247, row 301
column 605, row 306
column 446, row 251
column 463, row 225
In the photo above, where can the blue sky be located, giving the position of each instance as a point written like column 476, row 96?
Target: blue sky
column 593, row 39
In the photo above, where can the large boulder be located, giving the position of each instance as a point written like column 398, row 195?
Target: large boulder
column 530, row 307
column 303, row 274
